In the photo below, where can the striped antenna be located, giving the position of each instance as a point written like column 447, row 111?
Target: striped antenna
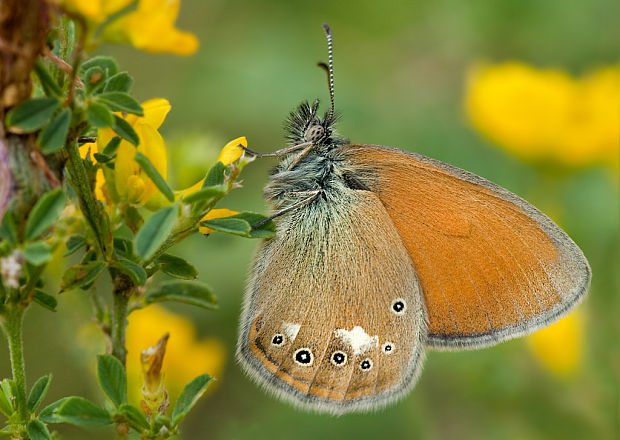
column 330, row 48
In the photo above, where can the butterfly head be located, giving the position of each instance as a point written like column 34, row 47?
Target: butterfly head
column 305, row 125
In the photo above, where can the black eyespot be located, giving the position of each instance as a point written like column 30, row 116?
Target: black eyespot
column 339, row 358
column 399, row 306
column 388, row 348
column 366, row 364
column 278, row 339
column 304, row 357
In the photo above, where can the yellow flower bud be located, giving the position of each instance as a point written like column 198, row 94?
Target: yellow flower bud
column 155, row 396
column 232, row 151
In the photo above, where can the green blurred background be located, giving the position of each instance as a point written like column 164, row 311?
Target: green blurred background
column 400, row 71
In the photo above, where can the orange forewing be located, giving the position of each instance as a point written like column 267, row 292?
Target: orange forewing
column 491, row 266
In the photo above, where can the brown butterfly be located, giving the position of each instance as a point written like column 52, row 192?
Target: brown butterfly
column 381, row 254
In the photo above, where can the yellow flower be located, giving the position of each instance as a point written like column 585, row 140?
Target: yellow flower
column 547, row 114
column 215, row 213
column 131, row 183
column 559, row 347
column 149, row 27
column 186, row 356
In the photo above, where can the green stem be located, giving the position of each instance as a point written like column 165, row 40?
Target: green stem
column 119, row 324
column 13, row 328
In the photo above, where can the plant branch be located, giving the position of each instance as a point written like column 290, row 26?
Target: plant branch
column 119, row 322
column 13, row 328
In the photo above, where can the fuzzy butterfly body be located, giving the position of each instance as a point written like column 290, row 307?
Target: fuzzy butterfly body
column 380, row 254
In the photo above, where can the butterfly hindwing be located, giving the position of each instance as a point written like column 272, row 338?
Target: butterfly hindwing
column 491, row 266
column 320, row 325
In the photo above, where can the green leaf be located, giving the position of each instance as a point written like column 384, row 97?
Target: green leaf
column 32, row 114
column 8, row 230
column 45, row 213
column 124, row 248
column 99, row 116
column 121, row 82
column 112, row 378
column 216, row 175
column 176, row 267
column 154, row 175
column 195, row 293
column 112, row 146
column 38, row 431
column 125, row 130
column 155, row 231
column 107, row 64
column 49, row 84
column 37, row 253
column 94, row 79
column 208, row 193
column 134, row 417
column 102, row 158
column 80, row 412
column 48, row 414
column 242, row 224
column 45, row 300
column 52, row 138
column 81, row 275
column 134, row 271
column 133, row 218
column 120, row 102
column 5, row 399
column 74, row 243
column 189, row 396
column 38, row 392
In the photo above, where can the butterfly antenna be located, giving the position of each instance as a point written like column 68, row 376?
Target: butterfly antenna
column 330, row 69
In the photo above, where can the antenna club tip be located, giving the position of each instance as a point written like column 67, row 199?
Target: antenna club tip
column 327, row 29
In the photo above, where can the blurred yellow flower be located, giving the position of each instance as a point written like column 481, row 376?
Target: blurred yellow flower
column 186, row 355
column 149, row 27
column 547, row 114
column 131, row 183
column 559, row 347
column 215, row 213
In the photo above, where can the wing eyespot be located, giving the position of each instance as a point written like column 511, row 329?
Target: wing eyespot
column 304, row 357
column 278, row 339
column 388, row 348
column 338, row 358
column 366, row 364
column 399, row 306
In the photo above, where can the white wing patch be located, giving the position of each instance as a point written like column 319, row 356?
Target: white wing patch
column 358, row 339
column 290, row 330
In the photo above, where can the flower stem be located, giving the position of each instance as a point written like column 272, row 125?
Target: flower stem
column 13, row 328
column 119, row 324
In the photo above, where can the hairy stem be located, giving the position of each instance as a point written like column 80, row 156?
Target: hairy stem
column 13, row 328
column 119, row 324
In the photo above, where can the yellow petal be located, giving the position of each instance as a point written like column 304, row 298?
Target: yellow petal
column 232, row 151
column 155, row 111
column 91, row 9
column 559, row 347
column 215, row 213
column 136, row 189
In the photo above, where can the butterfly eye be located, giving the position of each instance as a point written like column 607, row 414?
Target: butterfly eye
column 314, row 133
column 304, row 357
column 278, row 339
column 399, row 306
column 339, row 358
column 366, row 365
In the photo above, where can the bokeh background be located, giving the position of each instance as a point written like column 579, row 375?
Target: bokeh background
column 402, row 75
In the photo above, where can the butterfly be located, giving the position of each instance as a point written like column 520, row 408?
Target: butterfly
column 380, row 255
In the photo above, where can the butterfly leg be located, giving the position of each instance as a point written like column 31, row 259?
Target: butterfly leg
column 313, row 195
column 277, row 153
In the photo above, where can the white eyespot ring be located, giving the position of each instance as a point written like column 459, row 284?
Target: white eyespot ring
column 388, row 347
column 399, row 306
column 366, row 364
column 303, row 357
column 338, row 358
column 278, row 339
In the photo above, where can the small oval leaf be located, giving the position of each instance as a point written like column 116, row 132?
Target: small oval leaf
column 38, row 392
column 195, row 293
column 99, row 116
column 154, row 175
column 32, row 114
column 120, row 102
column 52, row 138
column 45, row 213
column 189, row 396
column 155, row 231
column 112, row 378
column 177, row 267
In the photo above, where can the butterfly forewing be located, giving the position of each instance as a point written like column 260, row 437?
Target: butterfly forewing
column 490, row 265
column 334, row 318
